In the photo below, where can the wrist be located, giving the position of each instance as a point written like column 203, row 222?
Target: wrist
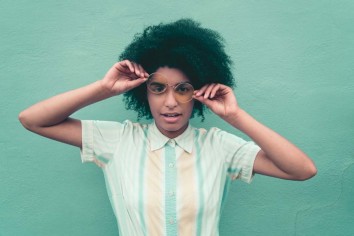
column 236, row 118
column 105, row 89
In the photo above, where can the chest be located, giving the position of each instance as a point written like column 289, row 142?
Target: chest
column 168, row 179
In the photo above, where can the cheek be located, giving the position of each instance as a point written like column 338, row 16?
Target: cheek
column 154, row 102
column 151, row 103
column 189, row 107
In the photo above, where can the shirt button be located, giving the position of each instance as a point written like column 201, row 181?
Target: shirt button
column 172, row 142
column 172, row 221
column 171, row 165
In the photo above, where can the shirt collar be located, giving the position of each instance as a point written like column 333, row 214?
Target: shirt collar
column 158, row 140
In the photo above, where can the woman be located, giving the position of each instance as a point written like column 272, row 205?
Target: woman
column 168, row 178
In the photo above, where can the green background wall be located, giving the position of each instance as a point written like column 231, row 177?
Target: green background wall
column 294, row 63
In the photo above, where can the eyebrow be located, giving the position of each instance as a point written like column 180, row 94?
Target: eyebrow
column 182, row 82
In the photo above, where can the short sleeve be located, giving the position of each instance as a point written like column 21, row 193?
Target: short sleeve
column 240, row 156
column 99, row 140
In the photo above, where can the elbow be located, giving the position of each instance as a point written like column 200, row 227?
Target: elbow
column 22, row 117
column 309, row 171
column 313, row 171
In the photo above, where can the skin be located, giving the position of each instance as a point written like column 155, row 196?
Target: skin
column 163, row 104
column 278, row 157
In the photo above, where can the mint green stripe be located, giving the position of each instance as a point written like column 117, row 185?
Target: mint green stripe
column 200, row 186
column 119, row 205
column 141, row 182
column 233, row 170
column 170, row 185
column 225, row 192
column 102, row 159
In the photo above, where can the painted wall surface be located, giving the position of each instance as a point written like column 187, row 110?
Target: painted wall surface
column 294, row 64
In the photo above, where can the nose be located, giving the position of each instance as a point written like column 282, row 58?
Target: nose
column 170, row 100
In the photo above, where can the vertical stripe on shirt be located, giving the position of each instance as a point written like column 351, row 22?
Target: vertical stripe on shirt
column 170, row 190
column 155, row 193
column 150, row 197
column 141, row 182
column 187, row 194
column 200, row 185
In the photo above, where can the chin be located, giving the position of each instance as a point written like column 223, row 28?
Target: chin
column 172, row 127
column 172, row 130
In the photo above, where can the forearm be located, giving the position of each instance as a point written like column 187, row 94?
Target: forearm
column 58, row 108
column 278, row 157
column 283, row 154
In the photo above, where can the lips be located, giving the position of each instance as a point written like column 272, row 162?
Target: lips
column 171, row 117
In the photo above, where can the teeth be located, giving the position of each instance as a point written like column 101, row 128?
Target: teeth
column 171, row 115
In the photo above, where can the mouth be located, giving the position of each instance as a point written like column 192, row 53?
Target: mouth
column 171, row 114
column 171, row 118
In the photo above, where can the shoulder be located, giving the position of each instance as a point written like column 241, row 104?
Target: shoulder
column 211, row 132
column 113, row 126
column 217, row 137
column 211, row 135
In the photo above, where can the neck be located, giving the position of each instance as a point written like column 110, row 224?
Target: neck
column 172, row 133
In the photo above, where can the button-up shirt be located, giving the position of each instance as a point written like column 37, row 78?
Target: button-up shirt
column 161, row 186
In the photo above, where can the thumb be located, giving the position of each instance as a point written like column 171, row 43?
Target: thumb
column 203, row 100
column 136, row 82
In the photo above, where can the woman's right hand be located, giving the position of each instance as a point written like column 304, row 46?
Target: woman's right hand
column 123, row 76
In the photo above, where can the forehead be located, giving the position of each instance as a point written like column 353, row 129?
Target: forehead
column 173, row 75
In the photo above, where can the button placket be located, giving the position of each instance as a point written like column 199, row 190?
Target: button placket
column 171, row 194
column 172, row 221
column 170, row 188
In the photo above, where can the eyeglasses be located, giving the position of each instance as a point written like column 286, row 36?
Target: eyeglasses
column 157, row 84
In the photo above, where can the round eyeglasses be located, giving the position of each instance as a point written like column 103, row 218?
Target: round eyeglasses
column 157, row 84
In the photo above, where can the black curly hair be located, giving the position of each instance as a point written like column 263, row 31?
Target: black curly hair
column 198, row 52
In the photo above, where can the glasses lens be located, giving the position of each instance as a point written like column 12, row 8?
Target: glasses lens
column 157, row 83
column 184, row 92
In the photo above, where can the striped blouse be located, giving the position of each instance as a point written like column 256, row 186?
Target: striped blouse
column 161, row 186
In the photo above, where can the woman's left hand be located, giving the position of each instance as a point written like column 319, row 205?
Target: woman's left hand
column 219, row 98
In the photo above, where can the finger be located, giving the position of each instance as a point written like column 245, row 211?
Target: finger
column 136, row 69
column 201, row 91
column 127, row 64
column 223, row 90
column 203, row 100
column 208, row 90
column 136, row 82
column 142, row 71
column 214, row 90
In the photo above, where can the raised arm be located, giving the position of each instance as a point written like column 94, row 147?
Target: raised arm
column 278, row 157
column 50, row 118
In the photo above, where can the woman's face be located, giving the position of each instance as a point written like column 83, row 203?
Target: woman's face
column 171, row 116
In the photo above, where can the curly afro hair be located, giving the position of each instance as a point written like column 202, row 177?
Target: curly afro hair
column 198, row 52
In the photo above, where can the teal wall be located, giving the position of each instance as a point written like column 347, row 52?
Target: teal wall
column 294, row 62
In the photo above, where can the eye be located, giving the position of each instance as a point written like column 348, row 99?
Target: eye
column 184, row 88
column 157, row 87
